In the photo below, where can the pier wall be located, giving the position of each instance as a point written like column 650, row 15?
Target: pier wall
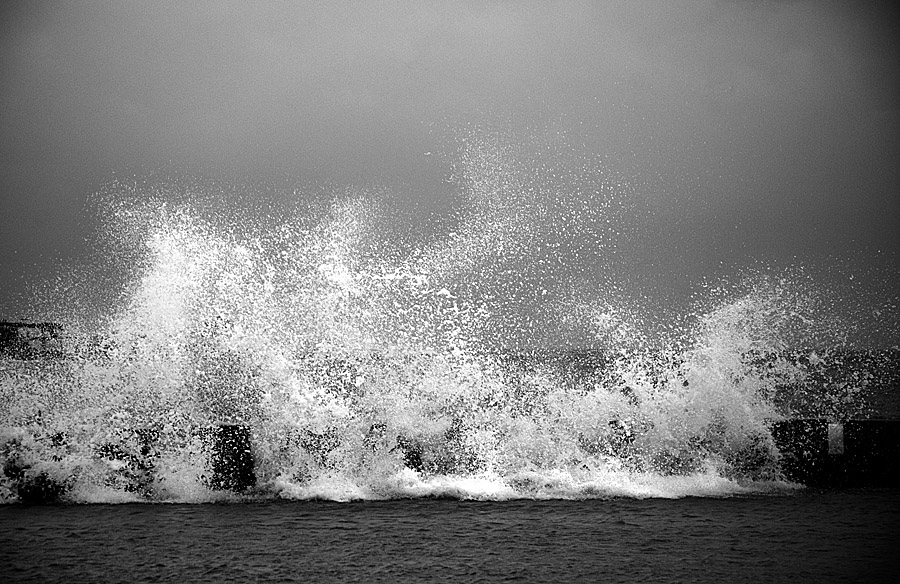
column 855, row 453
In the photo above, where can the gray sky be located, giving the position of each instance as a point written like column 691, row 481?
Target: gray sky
column 749, row 131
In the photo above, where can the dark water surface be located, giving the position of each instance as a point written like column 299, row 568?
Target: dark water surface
column 810, row 536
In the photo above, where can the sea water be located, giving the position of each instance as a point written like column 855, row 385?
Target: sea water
column 490, row 354
column 806, row 536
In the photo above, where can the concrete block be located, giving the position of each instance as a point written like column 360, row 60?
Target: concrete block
column 804, row 447
column 872, row 452
column 231, row 458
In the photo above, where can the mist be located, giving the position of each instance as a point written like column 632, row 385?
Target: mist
column 744, row 133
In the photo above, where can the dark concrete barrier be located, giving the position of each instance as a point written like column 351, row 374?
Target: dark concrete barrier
column 30, row 340
column 872, row 453
column 856, row 453
column 803, row 445
column 231, row 458
column 228, row 450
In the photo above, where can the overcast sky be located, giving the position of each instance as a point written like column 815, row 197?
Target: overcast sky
column 752, row 131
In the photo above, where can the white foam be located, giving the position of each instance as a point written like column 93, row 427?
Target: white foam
column 366, row 372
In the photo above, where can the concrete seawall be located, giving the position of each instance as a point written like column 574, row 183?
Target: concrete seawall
column 855, row 453
column 227, row 448
column 231, row 458
column 814, row 452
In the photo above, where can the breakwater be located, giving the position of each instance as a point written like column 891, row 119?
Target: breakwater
column 854, row 453
column 88, row 420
